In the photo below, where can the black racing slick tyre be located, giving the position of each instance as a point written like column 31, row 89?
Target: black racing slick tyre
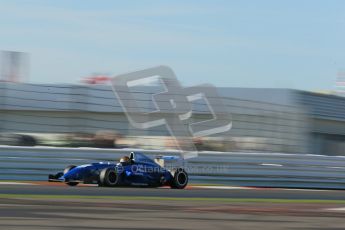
column 180, row 179
column 109, row 178
column 72, row 183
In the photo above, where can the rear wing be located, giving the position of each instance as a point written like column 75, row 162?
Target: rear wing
column 169, row 162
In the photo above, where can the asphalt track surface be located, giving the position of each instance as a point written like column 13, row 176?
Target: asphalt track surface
column 190, row 192
column 56, row 206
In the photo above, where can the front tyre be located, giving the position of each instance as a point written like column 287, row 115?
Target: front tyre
column 180, row 179
column 108, row 177
column 72, row 183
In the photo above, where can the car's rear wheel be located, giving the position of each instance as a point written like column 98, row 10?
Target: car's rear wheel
column 180, row 179
column 108, row 177
column 66, row 170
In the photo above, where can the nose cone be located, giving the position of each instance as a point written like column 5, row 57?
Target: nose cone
column 75, row 174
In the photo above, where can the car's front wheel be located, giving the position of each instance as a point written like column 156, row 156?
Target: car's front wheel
column 108, row 177
column 72, row 183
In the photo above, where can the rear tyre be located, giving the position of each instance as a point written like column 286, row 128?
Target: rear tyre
column 180, row 179
column 109, row 177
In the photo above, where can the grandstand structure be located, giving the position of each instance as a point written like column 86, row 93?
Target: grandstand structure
column 270, row 120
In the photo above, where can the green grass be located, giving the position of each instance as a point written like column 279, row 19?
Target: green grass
column 155, row 198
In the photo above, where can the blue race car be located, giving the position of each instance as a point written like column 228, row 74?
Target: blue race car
column 133, row 170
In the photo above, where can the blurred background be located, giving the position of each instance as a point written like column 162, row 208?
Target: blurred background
column 277, row 67
column 89, row 115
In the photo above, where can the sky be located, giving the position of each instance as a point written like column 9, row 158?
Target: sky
column 263, row 44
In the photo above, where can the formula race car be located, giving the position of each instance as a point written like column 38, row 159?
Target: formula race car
column 133, row 170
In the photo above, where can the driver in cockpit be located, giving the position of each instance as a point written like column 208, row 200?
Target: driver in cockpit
column 125, row 160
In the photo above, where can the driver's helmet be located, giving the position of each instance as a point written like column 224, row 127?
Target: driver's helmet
column 124, row 159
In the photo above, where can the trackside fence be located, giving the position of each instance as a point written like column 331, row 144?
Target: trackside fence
column 231, row 168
